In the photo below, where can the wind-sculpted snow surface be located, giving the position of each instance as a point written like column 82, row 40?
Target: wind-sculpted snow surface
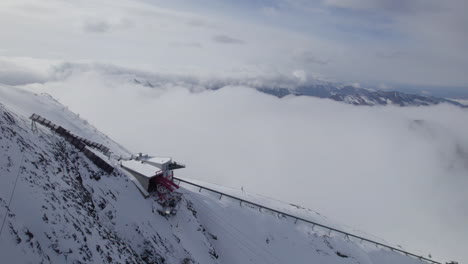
column 58, row 207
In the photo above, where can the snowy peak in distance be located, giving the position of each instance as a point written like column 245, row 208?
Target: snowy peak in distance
column 359, row 96
column 277, row 84
column 315, row 88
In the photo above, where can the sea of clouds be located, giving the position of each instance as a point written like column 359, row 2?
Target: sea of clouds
column 397, row 173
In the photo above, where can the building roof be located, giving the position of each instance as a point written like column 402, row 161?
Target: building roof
column 142, row 168
column 159, row 160
column 161, row 163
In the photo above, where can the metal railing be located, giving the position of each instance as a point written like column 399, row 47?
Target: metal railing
column 331, row 229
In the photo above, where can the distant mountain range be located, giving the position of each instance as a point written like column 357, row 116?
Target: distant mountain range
column 321, row 89
column 359, row 96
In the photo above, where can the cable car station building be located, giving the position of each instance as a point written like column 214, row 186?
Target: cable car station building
column 154, row 174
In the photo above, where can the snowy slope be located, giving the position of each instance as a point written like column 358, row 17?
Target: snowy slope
column 65, row 210
column 247, row 235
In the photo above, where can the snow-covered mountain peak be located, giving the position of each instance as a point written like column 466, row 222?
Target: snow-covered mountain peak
column 56, row 206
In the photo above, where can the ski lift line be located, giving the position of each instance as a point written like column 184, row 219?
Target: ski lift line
column 12, row 193
column 311, row 222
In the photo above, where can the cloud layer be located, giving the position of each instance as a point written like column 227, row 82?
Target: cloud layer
column 224, row 39
column 411, row 42
column 398, row 173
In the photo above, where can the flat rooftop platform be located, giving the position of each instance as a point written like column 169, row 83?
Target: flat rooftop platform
column 142, row 168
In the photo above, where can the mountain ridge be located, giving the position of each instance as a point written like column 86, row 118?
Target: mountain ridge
column 359, row 96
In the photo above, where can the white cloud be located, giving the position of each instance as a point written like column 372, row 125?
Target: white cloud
column 225, row 39
column 139, row 34
column 307, row 57
column 426, row 93
column 21, row 70
column 301, row 75
column 96, row 26
column 388, row 5
column 384, row 87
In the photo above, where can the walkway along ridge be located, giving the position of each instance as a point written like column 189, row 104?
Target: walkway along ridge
column 79, row 142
